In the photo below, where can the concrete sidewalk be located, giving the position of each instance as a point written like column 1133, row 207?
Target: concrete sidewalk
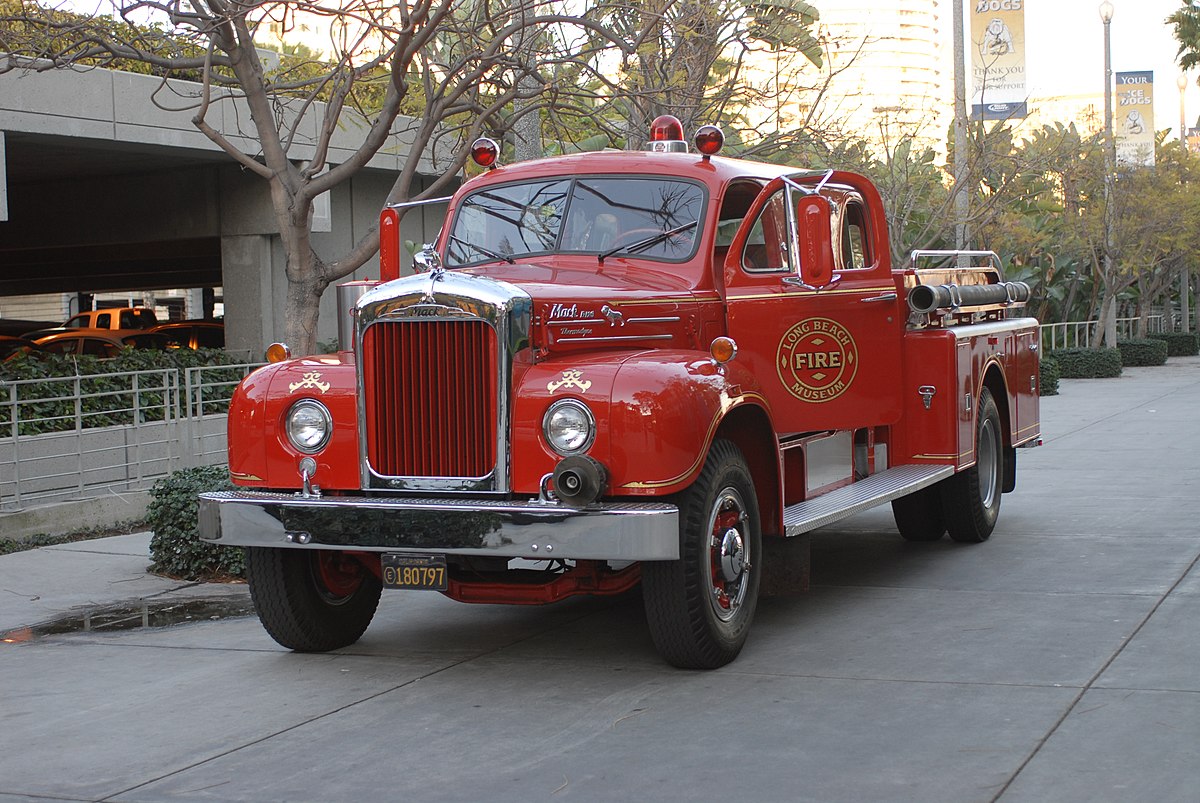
column 55, row 584
column 1059, row 661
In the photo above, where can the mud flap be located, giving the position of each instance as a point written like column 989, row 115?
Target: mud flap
column 1010, row 470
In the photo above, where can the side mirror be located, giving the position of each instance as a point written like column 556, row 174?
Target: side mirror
column 814, row 218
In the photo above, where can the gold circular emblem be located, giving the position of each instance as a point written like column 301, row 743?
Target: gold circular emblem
column 817, row 360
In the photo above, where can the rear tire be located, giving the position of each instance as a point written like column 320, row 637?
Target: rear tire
column 699, row 608
column 919, row 515
column 311, row 600
column 971, row 498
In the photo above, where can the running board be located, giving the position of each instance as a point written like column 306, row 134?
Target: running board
column 859, row 496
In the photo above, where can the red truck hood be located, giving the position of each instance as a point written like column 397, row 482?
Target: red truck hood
column 617, row 278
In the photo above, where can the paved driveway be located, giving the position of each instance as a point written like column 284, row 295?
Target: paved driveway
column 1058, row 661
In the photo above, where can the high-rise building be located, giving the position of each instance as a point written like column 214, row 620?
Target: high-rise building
column 889, row 74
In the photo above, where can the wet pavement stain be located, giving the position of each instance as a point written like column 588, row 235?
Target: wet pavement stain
column 145, row 614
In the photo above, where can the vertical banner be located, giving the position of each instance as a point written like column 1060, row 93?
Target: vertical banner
column 1133, row 119
column 998, row 59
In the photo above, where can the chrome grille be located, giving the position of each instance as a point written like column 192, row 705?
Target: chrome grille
column 430, row 397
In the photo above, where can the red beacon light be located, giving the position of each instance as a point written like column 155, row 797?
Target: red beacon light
column 666, row 135
column 709, row 140
column 485, row 152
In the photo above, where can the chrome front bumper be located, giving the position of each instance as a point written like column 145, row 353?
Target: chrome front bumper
column 623, row 531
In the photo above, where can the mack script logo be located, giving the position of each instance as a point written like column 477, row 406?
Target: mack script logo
column 817, row 360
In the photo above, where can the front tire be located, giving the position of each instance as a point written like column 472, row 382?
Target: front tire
column 971, row 498
column 699, row 608
column 311, row 600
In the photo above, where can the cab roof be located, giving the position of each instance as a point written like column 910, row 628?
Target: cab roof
column 717, row 170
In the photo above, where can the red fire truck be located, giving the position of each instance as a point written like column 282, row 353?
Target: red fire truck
column 615, row 368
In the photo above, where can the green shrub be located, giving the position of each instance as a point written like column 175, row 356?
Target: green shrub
column 1087, row 363
column 1142, row 351
column 176, row 548
column 1048, row 375
column 1180, row 344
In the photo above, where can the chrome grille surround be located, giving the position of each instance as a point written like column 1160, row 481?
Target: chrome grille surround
column 439, row 297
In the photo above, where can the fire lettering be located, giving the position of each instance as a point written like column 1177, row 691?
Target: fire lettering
column 820, row 359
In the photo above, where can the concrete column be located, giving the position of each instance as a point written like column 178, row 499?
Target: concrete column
column 249, row 301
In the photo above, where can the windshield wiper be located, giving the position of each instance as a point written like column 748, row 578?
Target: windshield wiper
column 653, row 239
column 484, row 251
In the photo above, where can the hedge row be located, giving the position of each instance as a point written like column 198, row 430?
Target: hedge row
column 1048, row 376
column 1142, row 351
column 106, row 388
column 1180, row 344
column 1087, row 363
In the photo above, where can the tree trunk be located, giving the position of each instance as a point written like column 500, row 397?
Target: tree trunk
column 1106, row 325
column 301, row 305
column 1145, row 301
column 527, row 131
column 1184, row 300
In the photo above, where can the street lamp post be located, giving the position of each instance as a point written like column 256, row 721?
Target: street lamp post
column 1110, row 166
column 962, row 202
column 1182, row 83
column 1185, row 276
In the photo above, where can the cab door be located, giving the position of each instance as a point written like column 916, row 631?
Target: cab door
column 828, row 356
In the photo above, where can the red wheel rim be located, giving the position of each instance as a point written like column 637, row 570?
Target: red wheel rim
column 728, row 557
column 338, row 576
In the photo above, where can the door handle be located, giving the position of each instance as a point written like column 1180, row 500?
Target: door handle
column 884, row 297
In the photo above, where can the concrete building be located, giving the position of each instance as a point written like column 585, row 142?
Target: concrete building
column 1085, row 110
column 103, row 190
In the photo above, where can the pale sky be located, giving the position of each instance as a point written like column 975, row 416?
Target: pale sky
column 1064, row 51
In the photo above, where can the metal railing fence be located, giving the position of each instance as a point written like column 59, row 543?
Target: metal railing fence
column 1082, row 334
column 83, row 436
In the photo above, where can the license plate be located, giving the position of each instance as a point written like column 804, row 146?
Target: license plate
column 415, row 572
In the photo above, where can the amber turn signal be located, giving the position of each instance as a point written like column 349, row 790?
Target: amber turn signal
column 723, row 349
column 278, row 352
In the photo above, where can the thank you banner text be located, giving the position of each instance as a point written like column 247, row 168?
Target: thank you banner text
column 998, row 59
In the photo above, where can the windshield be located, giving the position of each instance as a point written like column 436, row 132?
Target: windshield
column 653, row 218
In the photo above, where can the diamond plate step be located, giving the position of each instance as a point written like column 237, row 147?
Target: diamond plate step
column 859, row 496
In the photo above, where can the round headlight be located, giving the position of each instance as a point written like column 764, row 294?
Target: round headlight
column 569, row 427
column 309, row 425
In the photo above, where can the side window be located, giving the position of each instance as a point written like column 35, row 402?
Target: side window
column 739, row 197
column 855, row 249
column 104, row 321
column 60, row 346
column 78, row 321
column 210, row 338
column 767, row 246
column 98, row 348
column 177, row 337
